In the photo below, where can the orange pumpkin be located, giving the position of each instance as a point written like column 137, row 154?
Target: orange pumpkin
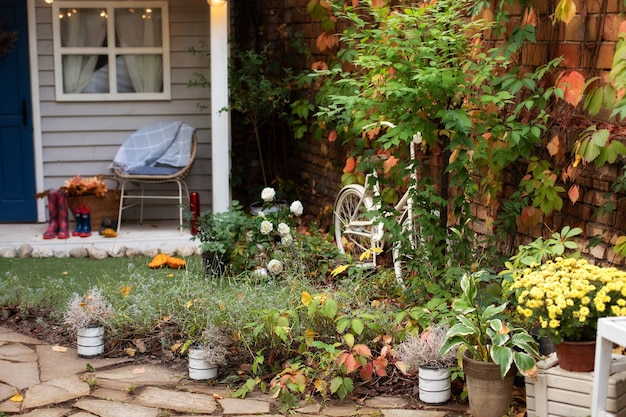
column 175, row 263
column 158, row 261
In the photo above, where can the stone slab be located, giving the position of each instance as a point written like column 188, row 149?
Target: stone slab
column 49, row 360
column 314, row 408
column 8, row 335
column 6, row 391
column 386, row 402
column 138, row 376
column 184, row 402
column 49, row 412
column 17, row 352
column 346, row 411
column 112, row 395
column 20, row 375
column 10, row 407
column 105, row 408
column 395, row 412
column 55, row 392
column 243, row 406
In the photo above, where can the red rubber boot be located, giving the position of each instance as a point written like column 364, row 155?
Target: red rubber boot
column 64, row 226
column 53, row 214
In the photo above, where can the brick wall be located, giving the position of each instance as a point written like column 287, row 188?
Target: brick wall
column 587, row 44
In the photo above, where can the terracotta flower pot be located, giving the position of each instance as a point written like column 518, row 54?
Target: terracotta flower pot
column 576, row 356
column 489, row 394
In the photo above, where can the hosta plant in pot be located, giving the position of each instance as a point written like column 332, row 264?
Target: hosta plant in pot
column 565, row 297
column 86, row 315
column 421, row 353
column 492, row 348
column 206, row 352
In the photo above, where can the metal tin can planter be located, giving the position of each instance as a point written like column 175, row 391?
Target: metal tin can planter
column 90, row 341
column 199, row 368
column 434, row 385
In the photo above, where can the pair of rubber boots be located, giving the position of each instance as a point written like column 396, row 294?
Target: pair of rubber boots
column 58, row 225
column 83, row 221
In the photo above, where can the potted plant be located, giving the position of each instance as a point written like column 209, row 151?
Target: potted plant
column 492, row 349
column 86, row 315
column 565, row 297
column 422, row 353
column 206, row 353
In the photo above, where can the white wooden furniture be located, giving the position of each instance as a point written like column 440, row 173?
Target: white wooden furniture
column 610, row 330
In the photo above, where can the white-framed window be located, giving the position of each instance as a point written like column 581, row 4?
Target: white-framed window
column 111, row 50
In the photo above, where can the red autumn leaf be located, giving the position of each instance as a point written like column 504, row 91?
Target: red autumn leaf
column 380, row 365
column 574, row 193
column 573, row 84
column 554, row 145
column 350, row 165
column 378, row 3
column 326, row 41
column 332, row 136
column 362, row 350
column 391, row 162
column 366, row 372
column 530, row 216
column 346, row 359
column 530, row 18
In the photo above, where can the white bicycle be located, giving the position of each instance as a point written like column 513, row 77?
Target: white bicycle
column 356, row 227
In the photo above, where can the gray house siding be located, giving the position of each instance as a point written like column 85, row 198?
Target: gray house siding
column 83, row 137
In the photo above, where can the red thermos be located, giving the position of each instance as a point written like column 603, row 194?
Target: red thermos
column 194, row 202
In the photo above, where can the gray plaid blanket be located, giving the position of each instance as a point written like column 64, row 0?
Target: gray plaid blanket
column 156, row 144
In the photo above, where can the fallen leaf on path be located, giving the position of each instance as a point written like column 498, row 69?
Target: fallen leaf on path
column 138, row 371
column 58, row 348
column 18, row 398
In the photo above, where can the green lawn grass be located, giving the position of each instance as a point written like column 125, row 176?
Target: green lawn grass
column 49, row 282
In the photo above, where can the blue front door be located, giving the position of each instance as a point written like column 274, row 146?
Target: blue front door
column 17, row 170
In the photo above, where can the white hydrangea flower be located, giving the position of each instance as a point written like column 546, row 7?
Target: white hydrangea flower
column 286, row 240
column 296, row 208
column 261, row 272
column 266, row 227
column 275, row 267
column 268, row 194
column 283, row 229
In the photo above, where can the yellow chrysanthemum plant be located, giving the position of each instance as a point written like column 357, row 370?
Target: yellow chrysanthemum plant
column 565, row 297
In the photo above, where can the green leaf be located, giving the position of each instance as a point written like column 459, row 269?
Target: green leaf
column 524, row 362
column 503, row 356
column 358, row 326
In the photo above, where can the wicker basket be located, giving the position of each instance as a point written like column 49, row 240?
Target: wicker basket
column 101, row 207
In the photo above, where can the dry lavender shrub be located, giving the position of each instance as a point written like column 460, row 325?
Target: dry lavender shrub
column 87, row 310
column 423, row 350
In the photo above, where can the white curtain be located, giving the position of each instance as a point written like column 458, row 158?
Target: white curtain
column 137, row 28
column 84, row 27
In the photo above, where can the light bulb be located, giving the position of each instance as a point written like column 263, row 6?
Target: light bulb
column 49, row 1
column 216, row 3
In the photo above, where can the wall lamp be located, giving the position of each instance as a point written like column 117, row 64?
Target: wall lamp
column 216, row 3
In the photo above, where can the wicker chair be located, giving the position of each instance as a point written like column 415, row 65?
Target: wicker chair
column 142, row 180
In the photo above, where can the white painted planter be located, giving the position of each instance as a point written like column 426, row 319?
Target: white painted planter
column 200, row 369
column 90, row 341
column 434, row 385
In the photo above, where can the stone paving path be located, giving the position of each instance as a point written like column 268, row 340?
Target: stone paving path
column 39, row 380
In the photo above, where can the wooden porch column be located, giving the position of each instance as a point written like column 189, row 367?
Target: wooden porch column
column 220, row 119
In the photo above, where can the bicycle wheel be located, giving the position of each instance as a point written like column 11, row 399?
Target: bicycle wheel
column 354, row 231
